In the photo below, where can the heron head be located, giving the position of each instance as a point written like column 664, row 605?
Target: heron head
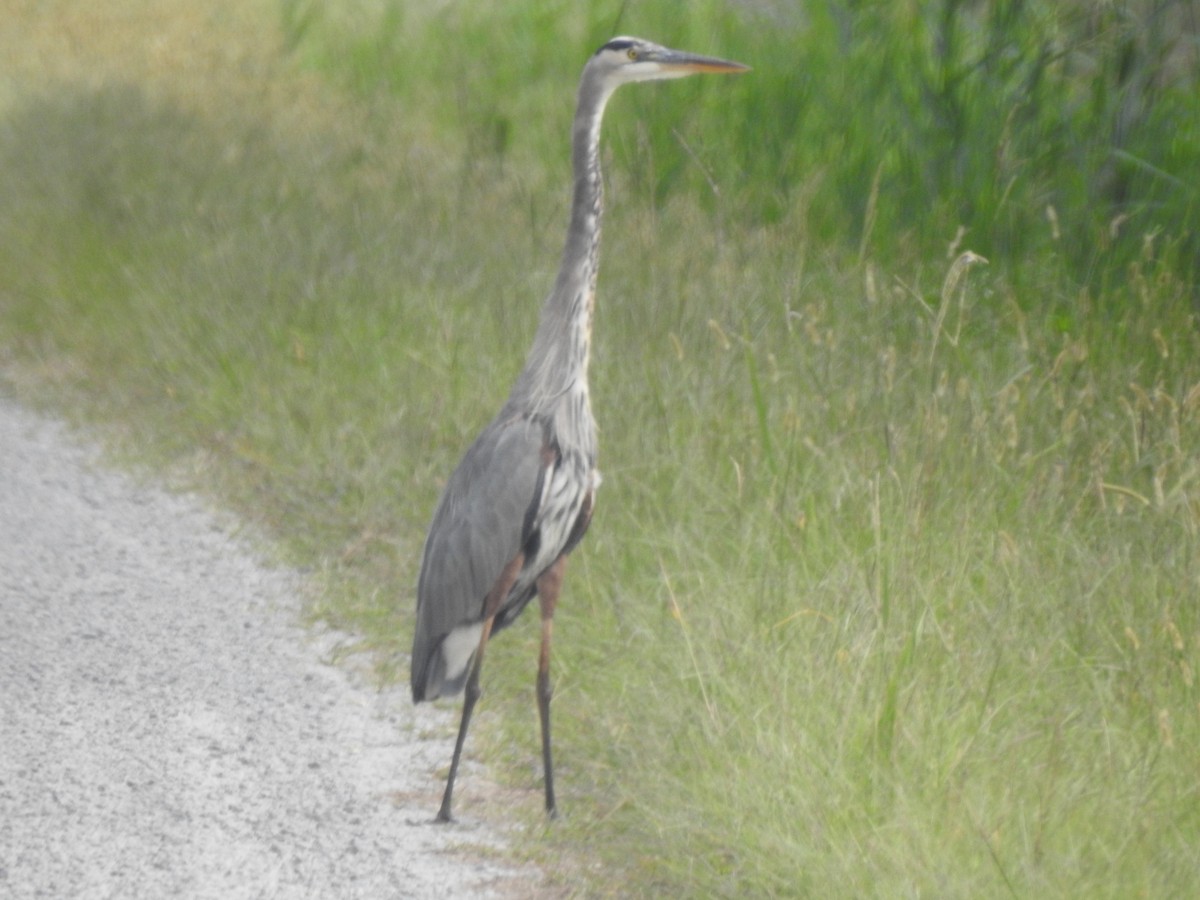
column 624, row 60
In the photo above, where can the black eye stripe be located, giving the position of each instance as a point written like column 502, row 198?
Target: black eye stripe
column 618, row 45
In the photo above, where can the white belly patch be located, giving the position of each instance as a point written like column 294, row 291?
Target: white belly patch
column 458, row 648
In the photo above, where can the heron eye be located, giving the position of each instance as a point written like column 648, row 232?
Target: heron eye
column 631, row 53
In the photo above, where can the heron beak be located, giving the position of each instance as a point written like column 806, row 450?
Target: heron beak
column 676, row 61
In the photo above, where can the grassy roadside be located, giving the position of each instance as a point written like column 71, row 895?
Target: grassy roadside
column 891, row 585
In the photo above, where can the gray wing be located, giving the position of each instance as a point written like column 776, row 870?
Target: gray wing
column 480, row 524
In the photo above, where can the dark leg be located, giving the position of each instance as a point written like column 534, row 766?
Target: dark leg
column 471, row 695
column 468, row 707
column 549, row 585
column 494, row 598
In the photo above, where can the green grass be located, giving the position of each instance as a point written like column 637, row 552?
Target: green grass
column 1042, row 128
column 891, row 585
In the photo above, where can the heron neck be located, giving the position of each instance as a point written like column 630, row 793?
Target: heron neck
column 558, row 360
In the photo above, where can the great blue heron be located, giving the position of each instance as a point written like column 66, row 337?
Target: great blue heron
column 521, row 498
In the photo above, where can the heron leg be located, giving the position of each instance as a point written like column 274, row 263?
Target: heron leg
column 470, row 696
column 549, row 584
column 491, row 606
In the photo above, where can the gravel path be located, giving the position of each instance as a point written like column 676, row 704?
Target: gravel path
column 168, row 730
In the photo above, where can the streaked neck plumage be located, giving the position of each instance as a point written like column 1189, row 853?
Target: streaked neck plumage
column 558, row 360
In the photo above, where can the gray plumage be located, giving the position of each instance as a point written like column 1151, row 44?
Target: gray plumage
column 521, row 498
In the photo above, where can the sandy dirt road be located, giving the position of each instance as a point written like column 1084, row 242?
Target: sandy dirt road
column 167, row 728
